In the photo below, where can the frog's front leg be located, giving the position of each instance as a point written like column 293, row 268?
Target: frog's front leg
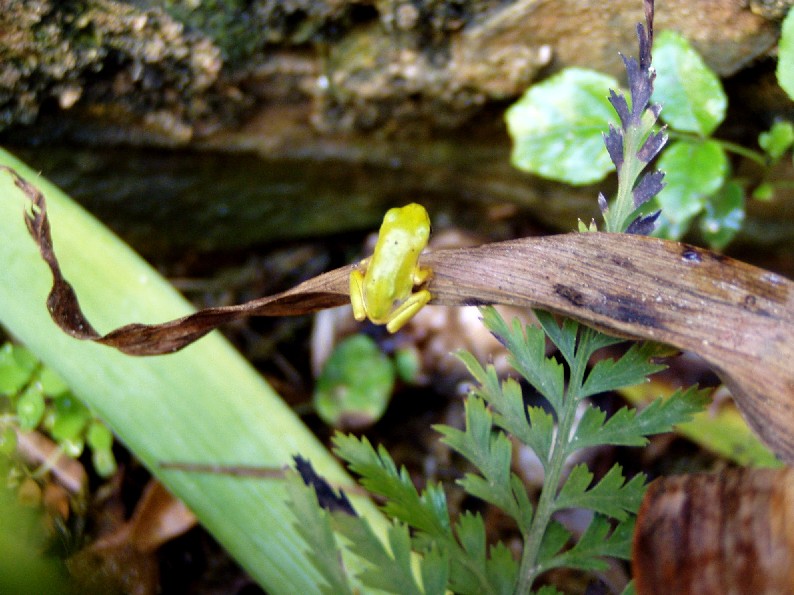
column 357, row 295
column 421, row 275
column 405, row 311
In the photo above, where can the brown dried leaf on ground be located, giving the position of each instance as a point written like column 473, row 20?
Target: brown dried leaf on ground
column 731, row 532
column 738, row 318
column 124, row 557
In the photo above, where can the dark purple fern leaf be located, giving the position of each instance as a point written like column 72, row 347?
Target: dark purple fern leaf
column 652, row 145
column 614, row 144
column 644, row 224
column 649, row 186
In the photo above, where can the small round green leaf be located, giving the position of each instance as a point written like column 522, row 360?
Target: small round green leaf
column 785, row 53
column 724, row 216
column 98, row 436
column 764, row 192
column 30, row 408
column 778, row 140
column 104, row 462
column 16, row 368
column 408, row 364
column 70, row 418
column 355, row 384
column 690, row 93
column 693, row 172
column 557, row 127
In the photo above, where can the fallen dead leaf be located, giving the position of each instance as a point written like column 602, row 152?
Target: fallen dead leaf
column 731, row 532
column 737, row 317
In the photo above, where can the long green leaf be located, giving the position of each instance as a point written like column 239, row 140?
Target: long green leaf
column 204, row 404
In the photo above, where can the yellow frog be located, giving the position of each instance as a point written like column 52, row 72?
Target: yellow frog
column 382, row 288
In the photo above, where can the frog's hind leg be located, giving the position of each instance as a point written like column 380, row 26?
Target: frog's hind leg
column 405, row 311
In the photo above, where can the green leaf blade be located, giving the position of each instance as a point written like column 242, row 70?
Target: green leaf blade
column 724, row 216
column 694, row 171
column 557, row 127
column 778, row 139
column 690, row 91
column 785, row 61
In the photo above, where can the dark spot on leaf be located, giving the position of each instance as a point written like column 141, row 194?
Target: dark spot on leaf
column 570, row 294
column 691, row 254
column 622, row 262
column 326, row 496
column 629, row 309
column 750, row 303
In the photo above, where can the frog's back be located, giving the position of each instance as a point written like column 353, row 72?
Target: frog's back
column 403, row 236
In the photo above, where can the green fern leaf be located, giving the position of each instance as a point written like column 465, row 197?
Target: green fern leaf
column 612, row 496
column 379, row 475
column 632, row 368
column 314, row 527
column 629, row 427
column 387, row 570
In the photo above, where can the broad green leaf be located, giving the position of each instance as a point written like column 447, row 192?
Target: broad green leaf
column 785, row 52
column 694, row 171
column 557, row 127
column 355, row 384
column 764, row 192
column 690, row 93
column 778, row 139
column 205, row 404
column 724, row 216
column 70, row 418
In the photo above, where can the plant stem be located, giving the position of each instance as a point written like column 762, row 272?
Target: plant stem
column 529, row 569
column 738, row 149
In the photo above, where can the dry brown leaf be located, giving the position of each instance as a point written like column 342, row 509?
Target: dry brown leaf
column 125, row 557
column 738, row 318
column 731, row 532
